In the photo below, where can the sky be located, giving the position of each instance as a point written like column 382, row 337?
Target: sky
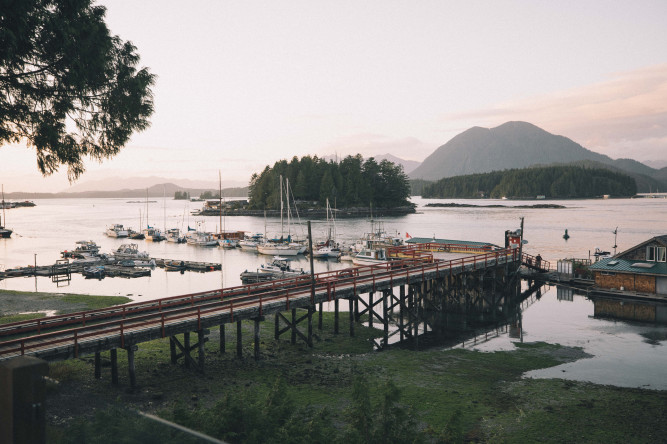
column 241, row 85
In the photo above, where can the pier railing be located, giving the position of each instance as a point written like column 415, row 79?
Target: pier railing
column 114, row 324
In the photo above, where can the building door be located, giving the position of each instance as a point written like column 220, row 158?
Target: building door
column 661, row 285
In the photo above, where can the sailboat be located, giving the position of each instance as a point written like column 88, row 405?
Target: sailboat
column 329, row 249
column 4, row 232
column 279, row 248
column 151, row 234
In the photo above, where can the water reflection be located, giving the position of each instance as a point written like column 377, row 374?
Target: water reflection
column 624, row 353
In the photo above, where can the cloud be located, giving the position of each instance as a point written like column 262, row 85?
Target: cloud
column 625, row 116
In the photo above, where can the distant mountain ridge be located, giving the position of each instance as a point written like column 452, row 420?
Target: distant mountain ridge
column 111, row 184
column 520, row 145
column 156, row 191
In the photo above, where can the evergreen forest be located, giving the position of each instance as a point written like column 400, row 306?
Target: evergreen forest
column 352, row 182
column 550, row 182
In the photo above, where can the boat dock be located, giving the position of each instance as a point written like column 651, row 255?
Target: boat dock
column 64, row 268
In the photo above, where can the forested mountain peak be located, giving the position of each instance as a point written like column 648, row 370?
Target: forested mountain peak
column 513, row 144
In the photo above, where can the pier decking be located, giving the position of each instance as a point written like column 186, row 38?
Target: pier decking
column 432, row 293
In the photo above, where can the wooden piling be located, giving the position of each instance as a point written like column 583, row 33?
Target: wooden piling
column 336, row 314
column 351, row 317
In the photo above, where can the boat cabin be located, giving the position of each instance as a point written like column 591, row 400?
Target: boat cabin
column 642, row 268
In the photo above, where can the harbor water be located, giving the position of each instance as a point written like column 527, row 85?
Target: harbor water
column 623, row 353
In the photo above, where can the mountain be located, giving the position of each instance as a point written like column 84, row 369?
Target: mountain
column 156, row 191
column 408, row 165
column 111, row 184
column 511, row 145
column 520, row 145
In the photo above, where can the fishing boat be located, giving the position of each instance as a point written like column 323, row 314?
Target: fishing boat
column 250, row 243
column 117, row 230
column 144, row 263
column 174, row 265
column 153, row 234
column 370, row 256
column 4, row 232
column 136, row 235
column 278, row 249
column 83, row 248
column 201, row 239
column 228, row 243
column 174, row 235
column 278, row 268
column 130, row 251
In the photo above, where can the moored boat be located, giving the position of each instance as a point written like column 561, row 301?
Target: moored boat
column 130, row 251
column 82, row 249
column 117, row 230
column 370, row 256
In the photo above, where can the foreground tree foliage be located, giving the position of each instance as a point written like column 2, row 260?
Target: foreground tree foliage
column 68, row 87
column 551, row 182
column 352, row 182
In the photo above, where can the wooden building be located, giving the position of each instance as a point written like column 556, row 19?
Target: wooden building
column 642, row 268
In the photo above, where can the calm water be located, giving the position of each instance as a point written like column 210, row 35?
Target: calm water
column 622, row 354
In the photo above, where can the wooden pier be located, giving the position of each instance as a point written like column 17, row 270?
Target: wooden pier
column 416, row 295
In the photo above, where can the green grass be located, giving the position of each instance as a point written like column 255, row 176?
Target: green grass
column 95, row 302
column 483, row 395
column 20, row 317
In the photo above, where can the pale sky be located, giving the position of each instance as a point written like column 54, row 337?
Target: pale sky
column 243, row 84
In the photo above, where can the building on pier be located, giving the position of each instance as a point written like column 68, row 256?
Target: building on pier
column 642, row 268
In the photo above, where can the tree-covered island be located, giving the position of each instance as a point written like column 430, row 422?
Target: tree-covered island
column 351, row 183
column 551, row 182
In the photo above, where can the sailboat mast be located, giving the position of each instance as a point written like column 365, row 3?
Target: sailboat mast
column 281, row 206
column 289, row 225
column 3, row 205
column 220, row 203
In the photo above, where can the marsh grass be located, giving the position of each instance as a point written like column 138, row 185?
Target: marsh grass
column 453, row 395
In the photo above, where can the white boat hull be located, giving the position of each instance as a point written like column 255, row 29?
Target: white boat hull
column 277, row 250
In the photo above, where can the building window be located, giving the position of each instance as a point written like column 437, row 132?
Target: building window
column 650, row 254
column 661, row 254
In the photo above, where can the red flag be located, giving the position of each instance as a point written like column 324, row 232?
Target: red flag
column 407, row 235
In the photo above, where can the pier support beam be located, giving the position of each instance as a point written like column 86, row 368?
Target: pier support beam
column 352, row 317
column 336, row 315
column 185, row 350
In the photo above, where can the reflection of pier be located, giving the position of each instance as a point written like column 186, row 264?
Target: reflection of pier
column 418, row 295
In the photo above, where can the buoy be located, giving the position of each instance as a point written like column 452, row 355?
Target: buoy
column 566, row 236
